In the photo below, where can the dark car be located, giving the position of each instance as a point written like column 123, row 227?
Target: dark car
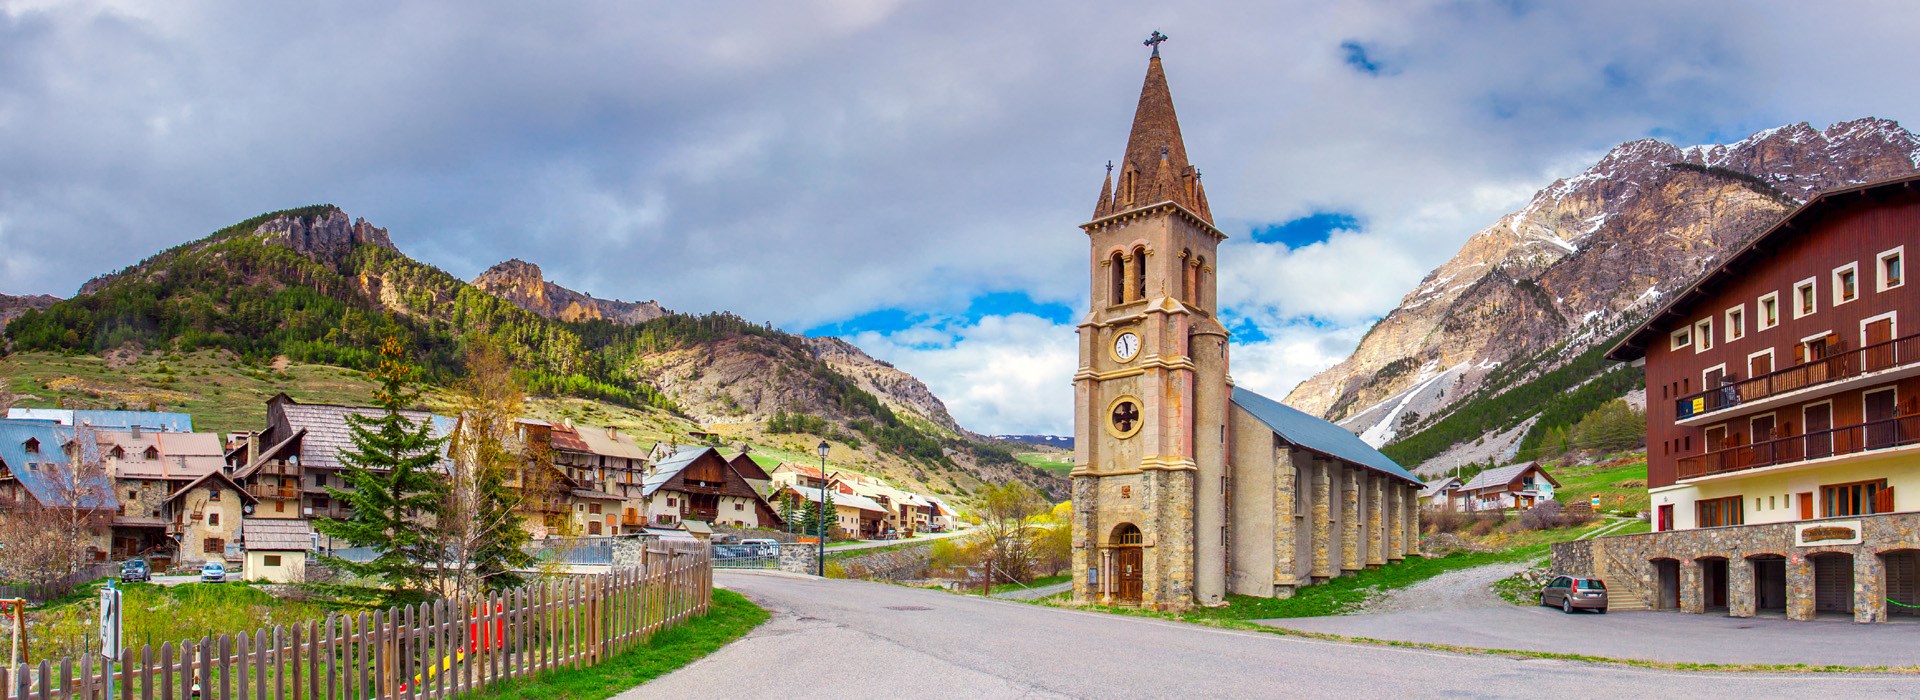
column 135, row 570
column 1572, row 593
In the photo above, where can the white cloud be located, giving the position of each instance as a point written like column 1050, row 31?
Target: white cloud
column 998, row 375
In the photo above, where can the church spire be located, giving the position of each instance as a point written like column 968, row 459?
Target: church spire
column 1105, row 205
column 1155, row 168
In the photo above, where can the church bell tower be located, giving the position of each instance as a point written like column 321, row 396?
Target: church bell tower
column 1151, row 394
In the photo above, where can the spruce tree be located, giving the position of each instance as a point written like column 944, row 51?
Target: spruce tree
column 393, row 487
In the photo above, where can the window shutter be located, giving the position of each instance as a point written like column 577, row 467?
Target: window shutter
column 1799, row 353
column 1883, row 501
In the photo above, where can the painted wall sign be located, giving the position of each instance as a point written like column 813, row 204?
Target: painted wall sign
column 1820, row 534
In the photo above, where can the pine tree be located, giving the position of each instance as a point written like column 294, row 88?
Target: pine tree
column 824, row 528
column 392, row 485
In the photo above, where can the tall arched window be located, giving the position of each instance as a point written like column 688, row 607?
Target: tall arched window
column 1140, row 273
column 1200, row 283
column 1186, row 276
column 1117, row 269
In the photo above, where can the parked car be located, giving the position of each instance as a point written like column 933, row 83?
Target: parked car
column 1575, row 593
column 135, row 570
column 213, row 572
column 735, row 551
column 763, row 547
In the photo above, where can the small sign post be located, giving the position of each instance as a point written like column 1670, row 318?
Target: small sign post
column 110, row 629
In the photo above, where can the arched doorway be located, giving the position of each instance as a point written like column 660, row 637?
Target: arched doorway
column 1903, row 582
column 1832, row 582
column 1666, row 589
column 1769, row 582
column 1128, row 563
column 1713, row 582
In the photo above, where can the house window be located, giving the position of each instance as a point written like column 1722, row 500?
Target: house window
column 1804, row 300
column 739, row 506
column 151, row 453
column 133, row 495
column 271, row 560
column 1703, row 335
column 213, row 520
column 594, row 508
column 1858, row 498
column 1769, row 310
column 279, row 506
column 213, row 545
column 213, row 495
column 670, row 503
column 1844, row 284
column 1720, row 512
column 1736, row 323
column 32, row 446
column 1680, row 339
column 1893, row 273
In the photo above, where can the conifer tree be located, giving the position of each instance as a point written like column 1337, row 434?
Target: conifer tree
column 393, row 487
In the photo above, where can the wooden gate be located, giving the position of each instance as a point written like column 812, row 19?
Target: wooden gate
column 1128, row 564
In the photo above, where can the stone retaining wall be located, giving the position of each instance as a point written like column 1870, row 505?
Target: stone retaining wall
column 1626, row 562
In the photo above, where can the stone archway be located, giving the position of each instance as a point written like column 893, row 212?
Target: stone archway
column 1666, row 584
column 1902, row 585
column 1714, row 583
column 1124, row 544
column 1769, row 582
column 1832, row 582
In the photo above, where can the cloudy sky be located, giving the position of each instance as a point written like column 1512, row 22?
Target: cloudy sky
column 908, row 175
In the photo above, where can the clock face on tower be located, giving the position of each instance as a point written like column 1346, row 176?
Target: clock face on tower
column 1126, row 346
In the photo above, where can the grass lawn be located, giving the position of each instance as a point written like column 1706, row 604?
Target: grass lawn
column 1632, row 528
column 1036, row 583
column 1620, row 481
column 156, row 614
column 1499, row 539
column 1052, row 463
column 731, row 617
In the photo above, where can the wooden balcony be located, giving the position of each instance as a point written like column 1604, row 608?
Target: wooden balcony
column 632, row 519
column 277, row 493
column 1820, row 444
column 1833, row 371
column 279, row 469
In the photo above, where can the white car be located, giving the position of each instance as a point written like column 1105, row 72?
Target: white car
column 763, row 547
column 213, row 572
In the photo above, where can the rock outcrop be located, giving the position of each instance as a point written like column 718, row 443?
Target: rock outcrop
column 1586, row 256
column 898, row 389
column 328, row 237
column 12, row 306
column 521, row 282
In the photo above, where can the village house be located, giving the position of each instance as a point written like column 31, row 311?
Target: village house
column 1783, row 423
column 277, row 550
column 907, row 513
column 36, row 459
column 792, row 474
column 698, row 484
column 1510, row 487
column 756, row 476
column 1438, row 494
column 855, row 516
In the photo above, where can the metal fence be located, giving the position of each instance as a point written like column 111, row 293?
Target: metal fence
column 432, row 650
column 750, row 556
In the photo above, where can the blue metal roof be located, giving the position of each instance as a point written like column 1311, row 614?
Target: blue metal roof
column 1315, row 434
column 147, row 420
column 37, row 471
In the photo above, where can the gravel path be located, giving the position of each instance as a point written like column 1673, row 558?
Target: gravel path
column 1465, row 589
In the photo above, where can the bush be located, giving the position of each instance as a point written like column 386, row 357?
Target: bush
column 1550, row 515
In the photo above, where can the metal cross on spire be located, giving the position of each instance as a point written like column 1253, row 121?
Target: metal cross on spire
column 1154, row 41
column 1109, row 168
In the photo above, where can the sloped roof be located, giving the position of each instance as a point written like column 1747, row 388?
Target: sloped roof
column 749, row 469
column 850, row 500
column 669, row 468
column 616, row 444
column 1434, row 488
column 216, row 476
column 37, row 472
column 157, row 421
column 181, row 455
column 276, row 535
column 1317, row 435
column 1501, row 476
column 327, row 432
column 564, row 437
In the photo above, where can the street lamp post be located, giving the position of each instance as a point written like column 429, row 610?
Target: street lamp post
column 820, row 518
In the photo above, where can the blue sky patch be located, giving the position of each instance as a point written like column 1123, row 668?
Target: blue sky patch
column 980, row 306
column 1306, row 230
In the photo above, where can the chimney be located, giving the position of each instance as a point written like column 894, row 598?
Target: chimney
column 135, row 429
column 253, row 446
column 612, row 434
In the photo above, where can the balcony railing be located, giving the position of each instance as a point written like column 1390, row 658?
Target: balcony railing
column 279, row 493
column 1839, row 366
column 1819, row 444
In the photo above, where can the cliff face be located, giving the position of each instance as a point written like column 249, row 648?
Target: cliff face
column 898, row 389
column 520, row 282
column 12, row 306
column 1584, row 257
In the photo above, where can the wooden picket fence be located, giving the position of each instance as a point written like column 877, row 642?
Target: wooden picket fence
column 442, row 649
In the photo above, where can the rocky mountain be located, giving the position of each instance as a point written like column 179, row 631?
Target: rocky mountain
column 314, row 286
column 520, row 282
column 1585, row 257
column 12, row 306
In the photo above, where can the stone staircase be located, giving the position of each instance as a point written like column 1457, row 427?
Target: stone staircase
column 1623, row 588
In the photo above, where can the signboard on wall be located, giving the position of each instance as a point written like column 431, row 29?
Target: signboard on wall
column 1826, row 533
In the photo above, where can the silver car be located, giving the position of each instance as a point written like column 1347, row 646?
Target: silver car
column 1572, row 593
column 213, row 572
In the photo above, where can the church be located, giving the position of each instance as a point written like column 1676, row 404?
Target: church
column 1185, row 487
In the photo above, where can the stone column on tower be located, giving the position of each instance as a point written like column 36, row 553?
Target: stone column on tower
column 1285, row 542
column 1396, row 522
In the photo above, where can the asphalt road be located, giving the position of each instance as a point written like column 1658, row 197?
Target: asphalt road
column 855, row 639
column 1457, row 608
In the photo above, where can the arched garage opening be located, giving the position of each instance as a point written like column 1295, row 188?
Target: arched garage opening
column 1903, row 582
column 1713, row 582
column 1832, row 582
column 1769, row 582
column 1666, row 584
